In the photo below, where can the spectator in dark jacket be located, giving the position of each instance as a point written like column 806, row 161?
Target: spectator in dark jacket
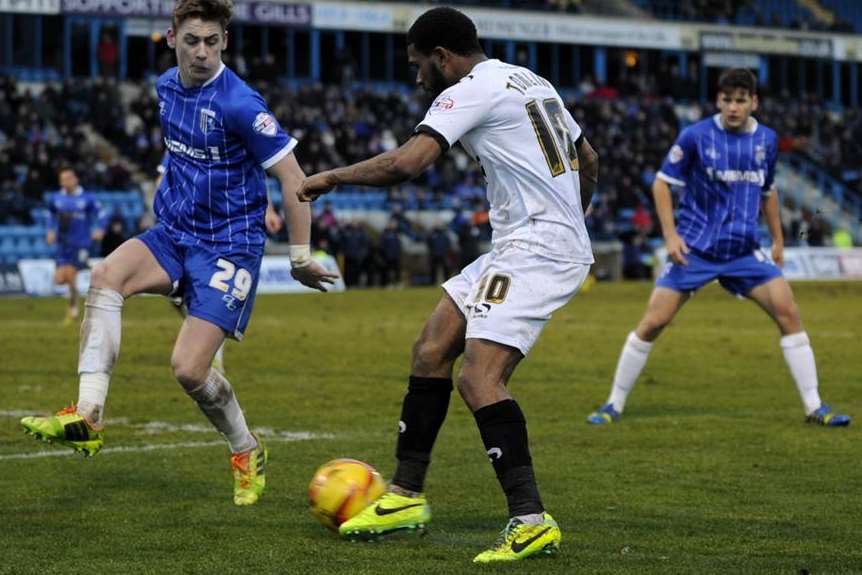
column 390, row 252
column 438, row 254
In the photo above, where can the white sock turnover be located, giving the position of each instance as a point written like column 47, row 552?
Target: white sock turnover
column 800, row 359
column 632, row 360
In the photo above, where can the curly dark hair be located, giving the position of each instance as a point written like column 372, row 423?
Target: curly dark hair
column 447, row 28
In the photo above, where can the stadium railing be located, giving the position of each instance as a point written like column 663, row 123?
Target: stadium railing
column 846, row 198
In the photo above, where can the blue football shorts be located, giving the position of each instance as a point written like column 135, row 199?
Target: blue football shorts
column 217, row 286
column 738, row 276
column 74, row 256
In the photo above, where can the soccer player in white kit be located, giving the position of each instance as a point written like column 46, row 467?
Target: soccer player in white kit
column 540, row 172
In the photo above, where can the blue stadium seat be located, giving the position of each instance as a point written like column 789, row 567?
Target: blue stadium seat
column 7, row 243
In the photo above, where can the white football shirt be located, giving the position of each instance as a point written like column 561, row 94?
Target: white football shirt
column 515, row 125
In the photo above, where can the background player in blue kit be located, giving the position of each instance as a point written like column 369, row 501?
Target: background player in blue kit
column 207, row 244
column 74, row 225
column 726, row 167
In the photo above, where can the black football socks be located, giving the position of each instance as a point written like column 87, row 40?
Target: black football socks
column 504, row 433
column 422, row 414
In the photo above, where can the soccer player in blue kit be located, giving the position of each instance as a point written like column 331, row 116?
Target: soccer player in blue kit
column 74, row 224
column 274, row 223
column 726, row 165
column 207, row 244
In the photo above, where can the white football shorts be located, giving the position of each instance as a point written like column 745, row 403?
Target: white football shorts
column 509, row 294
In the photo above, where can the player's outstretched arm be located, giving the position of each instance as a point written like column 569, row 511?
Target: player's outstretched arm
column 676, row 246
column 772, row 213
column 588, row 172
column 304, row 269
column 387, row 169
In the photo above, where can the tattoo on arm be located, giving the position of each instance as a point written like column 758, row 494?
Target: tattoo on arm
column 380, row 170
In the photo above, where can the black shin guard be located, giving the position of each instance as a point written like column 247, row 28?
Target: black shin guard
column 422, row 415
column 504, row 433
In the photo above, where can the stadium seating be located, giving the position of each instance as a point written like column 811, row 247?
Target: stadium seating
column 343, row 126
column 20, row 242
column 30, row 74
column 773, row 13
column 849, row 11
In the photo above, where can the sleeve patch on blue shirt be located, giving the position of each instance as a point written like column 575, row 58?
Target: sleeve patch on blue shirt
column 265, row 124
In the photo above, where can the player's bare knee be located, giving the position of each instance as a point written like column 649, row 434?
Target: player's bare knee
column 428, row 356
column 788, row 318
column 651, row 326
column 100, row 277
column 475, row 379
column 479, row 389
column 188, row 373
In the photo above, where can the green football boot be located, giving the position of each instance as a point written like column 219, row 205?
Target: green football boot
column 389, row 513
column 521, row 541
column 249, row 473
column 67, row 428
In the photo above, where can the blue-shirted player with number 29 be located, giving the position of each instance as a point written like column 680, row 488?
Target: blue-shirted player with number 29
column 207, row 244
column 726, row 166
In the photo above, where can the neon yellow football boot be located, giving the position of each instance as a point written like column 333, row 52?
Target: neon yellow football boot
column 67, row 428
column 390, row 512
column 249, row 473
column 520, row 541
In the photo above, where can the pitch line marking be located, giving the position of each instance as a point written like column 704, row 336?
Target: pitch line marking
column 285, row 437
column 153, row 428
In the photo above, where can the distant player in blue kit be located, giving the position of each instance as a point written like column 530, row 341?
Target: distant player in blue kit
column 207, row 244
column 725, row 166
column 74, row 224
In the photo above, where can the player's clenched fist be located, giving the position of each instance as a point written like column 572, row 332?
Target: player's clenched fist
column 676, row 249
column 315, row 186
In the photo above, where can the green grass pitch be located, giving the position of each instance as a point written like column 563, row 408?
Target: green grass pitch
column 711, row 470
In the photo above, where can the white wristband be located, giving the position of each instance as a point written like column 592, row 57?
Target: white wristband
column 300, row 255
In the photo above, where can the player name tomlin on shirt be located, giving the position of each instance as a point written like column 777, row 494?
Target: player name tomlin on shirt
column 524, row 79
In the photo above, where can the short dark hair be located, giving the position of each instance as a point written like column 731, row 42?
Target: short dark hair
column 735, row 78
column 207, row 10
column 65, row 168
column 447, row 28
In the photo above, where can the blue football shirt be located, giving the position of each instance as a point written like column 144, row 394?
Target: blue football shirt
column 73, row 218
column 724, row 176
column 220, row 137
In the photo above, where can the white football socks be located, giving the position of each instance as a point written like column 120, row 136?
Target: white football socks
column 632, row 360
column 99, row 348
column 218, row 402
column 800, row 359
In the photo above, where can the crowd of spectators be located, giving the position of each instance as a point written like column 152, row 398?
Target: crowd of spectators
column 788, row 14
column 40, row 131
column 570, row 6
column 631, row 123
